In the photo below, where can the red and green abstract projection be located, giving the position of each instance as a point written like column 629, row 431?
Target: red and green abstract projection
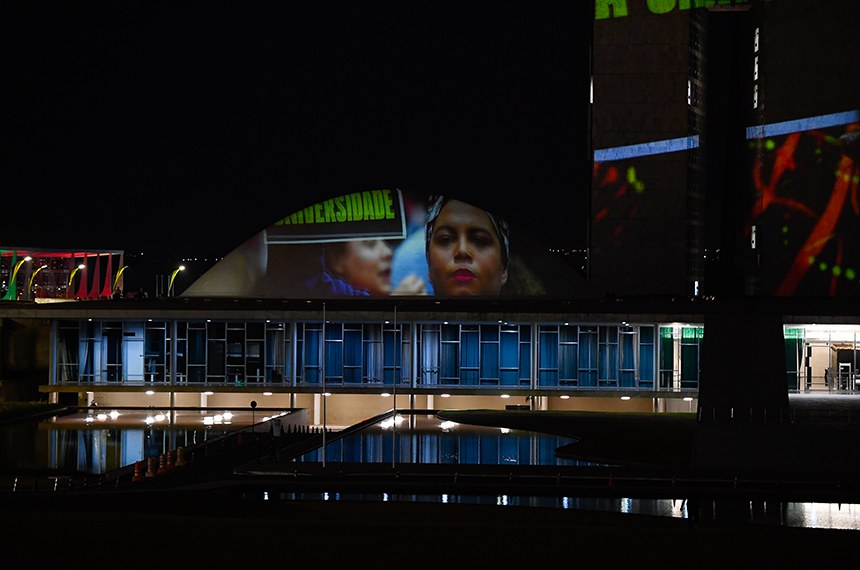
column 806, row 213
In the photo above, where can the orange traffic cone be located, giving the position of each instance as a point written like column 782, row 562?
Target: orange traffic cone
column 138, row 471
column 150, row 467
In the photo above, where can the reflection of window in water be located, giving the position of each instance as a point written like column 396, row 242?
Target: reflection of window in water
column 428, row 443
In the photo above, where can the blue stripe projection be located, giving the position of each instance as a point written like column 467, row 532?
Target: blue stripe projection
column 645, row 149
column 758, row 131
column 807, row 124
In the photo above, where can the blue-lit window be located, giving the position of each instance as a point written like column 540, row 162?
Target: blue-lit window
column 591, row 356
column 372, row 353
column 607, row 359
column 549, row 354
column 588, row 356
column 568, row 355
column 356, row 354
column 474, row 354
column 278, row 355
column 309, row 365
column 334, row 353
column 397, row 354
column 628, row 365
column 489, row 355
column 510, row 355
column 470, row 344
column 429, row 343
column 68, row 351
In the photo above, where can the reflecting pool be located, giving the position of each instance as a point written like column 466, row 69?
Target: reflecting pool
column 96, row 442
column 425, row 439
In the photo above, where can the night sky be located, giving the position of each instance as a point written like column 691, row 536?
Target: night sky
column 151, row 128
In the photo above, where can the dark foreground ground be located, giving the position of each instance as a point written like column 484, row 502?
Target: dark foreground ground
column 204, row 522
column 202, row 529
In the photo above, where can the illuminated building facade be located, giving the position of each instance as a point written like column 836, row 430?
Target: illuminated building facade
column 784, row 183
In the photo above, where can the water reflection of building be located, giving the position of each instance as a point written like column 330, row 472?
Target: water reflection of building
column 427, row 441
column 105, row 438
column 78, row 445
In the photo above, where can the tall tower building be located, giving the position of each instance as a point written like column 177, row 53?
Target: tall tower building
column 724, row 138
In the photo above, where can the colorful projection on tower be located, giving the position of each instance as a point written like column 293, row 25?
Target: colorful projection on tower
column 806, row 211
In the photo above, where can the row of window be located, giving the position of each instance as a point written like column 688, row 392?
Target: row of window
column 368, row 354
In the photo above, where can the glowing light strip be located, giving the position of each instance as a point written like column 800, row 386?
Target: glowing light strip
column 807, row 124
column 758, row 131
column 645, row 149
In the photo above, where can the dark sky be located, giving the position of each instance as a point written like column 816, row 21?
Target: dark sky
column 154, row 128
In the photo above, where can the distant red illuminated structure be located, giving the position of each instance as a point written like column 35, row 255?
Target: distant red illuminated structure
column 50, row 274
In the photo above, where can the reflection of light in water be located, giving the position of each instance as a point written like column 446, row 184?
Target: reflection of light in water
column 787, row 514
column 679, row 508
column 626, row 505
column 824, row 515
column 388, row 423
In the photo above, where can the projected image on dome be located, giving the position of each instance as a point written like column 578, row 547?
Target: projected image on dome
column 384, row 242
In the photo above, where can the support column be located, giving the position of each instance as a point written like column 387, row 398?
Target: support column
column 317, row 409
column 743, row 377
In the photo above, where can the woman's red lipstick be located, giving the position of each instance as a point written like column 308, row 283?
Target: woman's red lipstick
column 463, row 275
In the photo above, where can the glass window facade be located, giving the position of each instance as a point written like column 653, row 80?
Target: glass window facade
column 424, row 355
column 361, row 355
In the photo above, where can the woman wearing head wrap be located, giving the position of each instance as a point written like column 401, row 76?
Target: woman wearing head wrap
column 467, row 249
